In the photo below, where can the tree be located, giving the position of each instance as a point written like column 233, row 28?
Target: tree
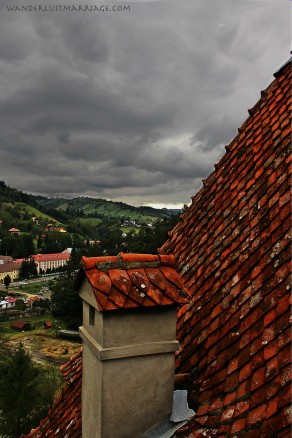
column 27, row 245
column 28, row 269
column 12, row 245
column 21, row 402
column 7, row 281
column 149, row 239
column 66, row 302
column 19, row 305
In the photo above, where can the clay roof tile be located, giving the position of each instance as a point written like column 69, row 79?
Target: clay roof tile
column 146, row 279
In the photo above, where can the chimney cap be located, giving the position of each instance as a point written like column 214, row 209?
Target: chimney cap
column 133, row 280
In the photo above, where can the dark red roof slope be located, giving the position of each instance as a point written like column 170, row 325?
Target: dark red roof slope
column 232, row 248
column 64, row 418
column 9, row 267
column 134, row 280
column 20, row 324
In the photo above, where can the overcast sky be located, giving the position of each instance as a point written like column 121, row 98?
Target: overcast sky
column 134, row 106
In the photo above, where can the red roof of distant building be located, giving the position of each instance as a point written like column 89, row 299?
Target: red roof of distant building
column 134, row 280
column 9, row 267
column 6, row 259
column 13, row 230
column 50, row 227
column 20, row 324
column 51, row 257
column 233, row 252
column 10, row 299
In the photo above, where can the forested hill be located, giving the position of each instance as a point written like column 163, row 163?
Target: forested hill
column 63, row 209
column 94, row 226
column 9, row 194
column 93, row 207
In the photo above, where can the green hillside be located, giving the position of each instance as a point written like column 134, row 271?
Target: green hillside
column 115, row 225
column 99, row 208
column 20, row 215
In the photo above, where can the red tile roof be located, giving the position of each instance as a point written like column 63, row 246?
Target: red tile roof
column 20, row 324
column 9, row 267
column 10, row 299
column 50, row 257
column 134, row 280
column 64, row 418
column 233, row 251
column 6, row 259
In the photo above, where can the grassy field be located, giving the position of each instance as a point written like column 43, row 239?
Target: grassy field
column 91, row 221
column 32, row 288
column 36, row 321
column 130, row 230
column 33, row 211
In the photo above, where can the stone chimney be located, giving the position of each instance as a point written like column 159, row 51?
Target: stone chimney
column 129, row 341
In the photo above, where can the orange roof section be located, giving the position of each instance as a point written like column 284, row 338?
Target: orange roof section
column 134, row 280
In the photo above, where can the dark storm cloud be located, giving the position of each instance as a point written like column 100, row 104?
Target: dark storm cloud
column 133, row 106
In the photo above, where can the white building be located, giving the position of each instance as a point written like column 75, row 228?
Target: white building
column 51, row 261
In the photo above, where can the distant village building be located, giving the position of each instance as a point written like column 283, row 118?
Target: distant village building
column 11, row 268
column 68, row 250
column 91, row 242
column 51, row 227
column 5, row 259
column 8, row 303
column 35, row 220
column 14, row 231
column 50, row 261
column 11, row 301
column 35, row 298
column 3, row 304
column 21, row 326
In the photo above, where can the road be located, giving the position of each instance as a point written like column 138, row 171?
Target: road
column 16, row 284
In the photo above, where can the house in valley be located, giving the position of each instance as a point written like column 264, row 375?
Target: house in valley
column 12, row 269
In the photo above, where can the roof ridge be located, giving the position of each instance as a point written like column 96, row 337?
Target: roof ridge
column 125, row 261
column 280, row 70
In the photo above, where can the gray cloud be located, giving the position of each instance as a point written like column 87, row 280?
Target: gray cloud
column 132, row 106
